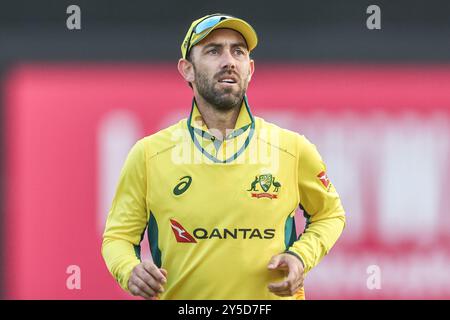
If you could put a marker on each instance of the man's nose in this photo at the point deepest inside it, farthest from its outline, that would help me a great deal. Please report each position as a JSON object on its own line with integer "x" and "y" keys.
{"x": 228, "y": 61}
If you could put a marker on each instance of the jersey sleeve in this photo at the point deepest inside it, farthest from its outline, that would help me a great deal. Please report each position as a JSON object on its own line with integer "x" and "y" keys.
{"x": 325, "y": 217}
{"x": 127, "y": 218}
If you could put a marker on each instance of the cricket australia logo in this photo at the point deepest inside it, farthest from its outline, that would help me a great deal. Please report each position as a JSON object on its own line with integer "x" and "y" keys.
{"x": 266, "y": 182}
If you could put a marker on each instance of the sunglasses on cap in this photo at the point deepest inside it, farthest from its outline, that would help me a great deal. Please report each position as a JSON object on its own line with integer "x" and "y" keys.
{"x": 202, "y": 26}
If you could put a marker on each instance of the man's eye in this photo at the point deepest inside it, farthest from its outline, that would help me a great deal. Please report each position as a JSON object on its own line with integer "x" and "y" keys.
{"x": 213, "y": 51}
{"x": 240, "y": 52}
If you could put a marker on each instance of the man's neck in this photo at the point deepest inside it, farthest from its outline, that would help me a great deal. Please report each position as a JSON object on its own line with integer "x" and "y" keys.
{"x": 217, "y": 121}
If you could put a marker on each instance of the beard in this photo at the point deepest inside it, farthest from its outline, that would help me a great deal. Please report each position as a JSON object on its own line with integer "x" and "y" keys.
{"x": 222, "y": 99}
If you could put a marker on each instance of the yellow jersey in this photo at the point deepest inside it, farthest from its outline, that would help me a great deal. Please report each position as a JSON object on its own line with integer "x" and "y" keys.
{"x": 217, "y": 210}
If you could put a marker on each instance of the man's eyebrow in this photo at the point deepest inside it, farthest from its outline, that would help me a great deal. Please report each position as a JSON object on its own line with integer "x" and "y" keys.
{"x": 219, "y": 45}
{"x": 239, "y": 44}
{"x": 212, "y": 44}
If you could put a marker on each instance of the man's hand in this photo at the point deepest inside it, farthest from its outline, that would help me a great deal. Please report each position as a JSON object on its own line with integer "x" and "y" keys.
{"x": 294, "y": 281}
{"x": 147, "y": 280}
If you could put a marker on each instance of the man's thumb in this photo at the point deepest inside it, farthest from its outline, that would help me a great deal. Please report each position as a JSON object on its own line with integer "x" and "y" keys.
{"x": 273, "y": 264}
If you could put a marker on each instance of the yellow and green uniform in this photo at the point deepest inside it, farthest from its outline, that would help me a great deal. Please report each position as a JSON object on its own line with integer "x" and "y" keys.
{"x": 217, "y": 211}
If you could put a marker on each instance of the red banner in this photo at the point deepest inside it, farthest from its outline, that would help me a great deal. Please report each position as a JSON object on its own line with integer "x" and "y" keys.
{"x": 383, "y": 132}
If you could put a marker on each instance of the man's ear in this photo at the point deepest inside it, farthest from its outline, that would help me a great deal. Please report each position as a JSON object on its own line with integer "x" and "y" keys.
{"x": 186, "y": 69}
{"x": 252, "y": 69}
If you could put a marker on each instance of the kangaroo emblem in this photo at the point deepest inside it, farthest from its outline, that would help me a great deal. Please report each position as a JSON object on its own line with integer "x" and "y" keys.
{"x": 254, "y": 184}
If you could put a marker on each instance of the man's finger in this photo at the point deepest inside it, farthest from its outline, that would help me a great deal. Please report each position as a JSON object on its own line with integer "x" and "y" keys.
{"x": 278, "y": 262}
{"x": 281, "y": 293}
{"x": 299, "y": 283}
{"x": 289, "y": 293}
{"x": 273, "y": 264}
{"x": 144, "y": 287}
{"x": 149, "y": 280}
{"x": 135, "y": 291}
{"x": 154, "y": 271}
{"x": 295, "y": 285}
{"x": 293, "y": 275}
{"x": 284, "y": 292}
{"x": 290, "y": 285}
{"x": 164, "y": 272}
{"x": 278, "y": 286}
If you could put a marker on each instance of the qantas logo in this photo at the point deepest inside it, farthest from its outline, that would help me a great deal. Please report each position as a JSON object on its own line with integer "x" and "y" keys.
{"x": 324, "y": 179}
{"x": 181, "y": 234}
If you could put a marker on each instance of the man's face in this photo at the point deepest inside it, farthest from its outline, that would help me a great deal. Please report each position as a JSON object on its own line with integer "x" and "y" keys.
{"x": 222, "y": 68}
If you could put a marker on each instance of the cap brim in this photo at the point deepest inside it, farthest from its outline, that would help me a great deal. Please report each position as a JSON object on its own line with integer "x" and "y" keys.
{"x": 238, "y": 25}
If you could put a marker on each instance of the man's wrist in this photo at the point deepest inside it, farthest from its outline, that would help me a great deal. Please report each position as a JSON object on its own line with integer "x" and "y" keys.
{"x": 297, "y": 256}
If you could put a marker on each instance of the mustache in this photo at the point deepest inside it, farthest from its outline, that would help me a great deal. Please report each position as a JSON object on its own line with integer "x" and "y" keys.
{"x": 227, "y": 73}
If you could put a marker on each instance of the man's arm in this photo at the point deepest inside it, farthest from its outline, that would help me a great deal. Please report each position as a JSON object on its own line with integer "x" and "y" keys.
{"x": 322, "y": 207}
{"x": 325, "y": 222}
{"x": 127, "y": 218}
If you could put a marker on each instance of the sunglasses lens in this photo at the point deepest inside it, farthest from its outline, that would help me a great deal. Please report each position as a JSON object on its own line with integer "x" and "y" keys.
{"x": 208, "y": 23}
{"x": 201, "y": 27}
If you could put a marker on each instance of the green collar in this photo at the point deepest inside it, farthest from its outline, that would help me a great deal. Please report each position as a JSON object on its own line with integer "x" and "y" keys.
{"x": 245, "y": 124}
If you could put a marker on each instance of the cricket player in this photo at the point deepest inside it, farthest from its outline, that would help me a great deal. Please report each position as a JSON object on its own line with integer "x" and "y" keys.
{"x": 217, "y": 192}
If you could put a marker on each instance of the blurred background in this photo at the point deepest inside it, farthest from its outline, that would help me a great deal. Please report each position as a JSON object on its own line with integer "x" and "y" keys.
{"x": 375, "y": 102}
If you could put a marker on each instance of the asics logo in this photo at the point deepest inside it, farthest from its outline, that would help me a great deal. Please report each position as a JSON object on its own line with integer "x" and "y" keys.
{"x": 182, "y": 186}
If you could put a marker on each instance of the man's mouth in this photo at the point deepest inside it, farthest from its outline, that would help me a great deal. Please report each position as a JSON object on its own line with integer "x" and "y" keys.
{"x": 227, "y": 80}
